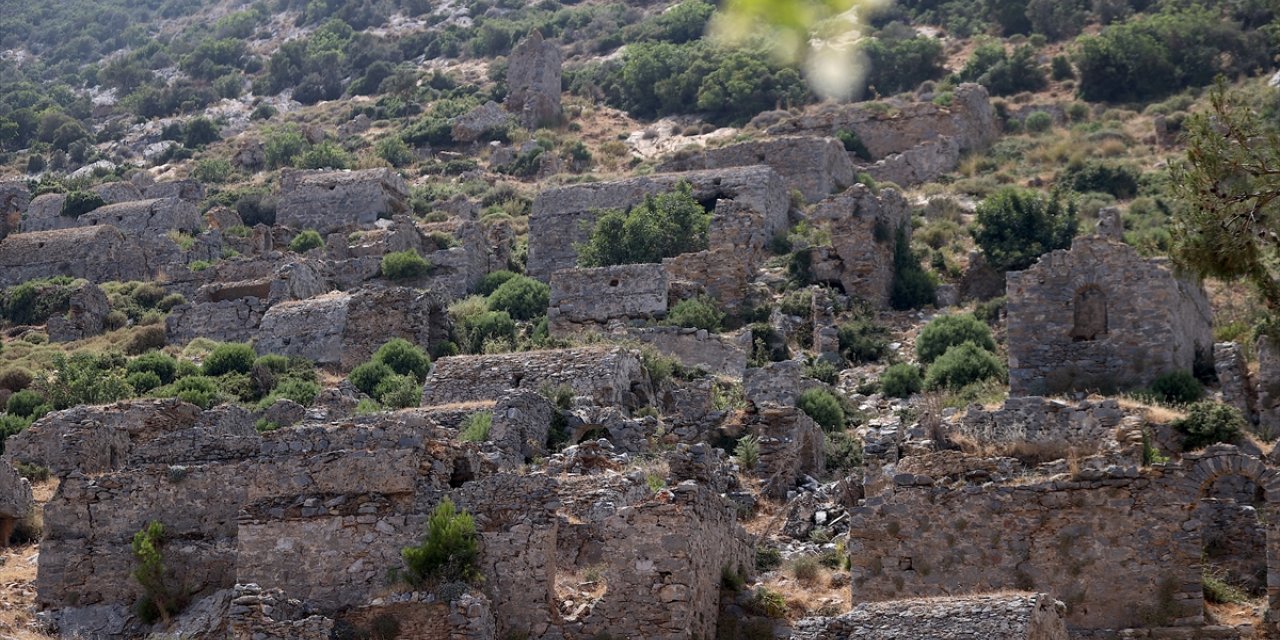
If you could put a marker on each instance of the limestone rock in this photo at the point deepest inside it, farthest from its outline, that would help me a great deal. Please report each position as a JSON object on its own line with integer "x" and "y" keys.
{"x": 331, "y": 200}
{"x": 533, "y": 81}
{"x": 484, "y": 119}
{"x": 89, "y": 306}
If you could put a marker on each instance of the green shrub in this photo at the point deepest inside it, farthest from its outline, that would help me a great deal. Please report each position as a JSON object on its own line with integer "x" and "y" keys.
{"x": 449, "y": 552}
{"x": 11, "y": 425}
{"x": 368, "y": 376}
{"x": 303, "y": 392}
{"x": 947, "y": 331}
{"x": 747, "y": 452}
{"x": 394, "y": 150}
{"x": 824, "y": 407}
{"x": 143, "y": 381}
{"x": 1060, "y": 68}
{"x": 404, "y": 358}
{"x": 326, "y": 155}
{"x": 202, "y": 391}
{"x": 475, "y": 428}
{"x": 901, "y": 381}
{"x": 1119, "y": 180}
{"x": 768, "y": 558}
{"x": 962, "y": 365}
{"x": 766, "y": 602}
{"x": 229, "y": 357}
{"x": 862, "y": 340}
{"x": 84, "y": 379}
{"x": 662, "y": 226}
{"x": 399, "y": 391}
{"x": 15, "y": 379}
{"x": 1004, "y": 73}
{"x": 1038, "y": 122}
{"x": 1016, "y": 226}
{"x": 843, "y": 451}
{"x": 853, "y": 144}
{"x": 1209, "y": 422}
{"x": 164, "y": 366}
{"x": 146, "y": 339}
{"x": 403, "y": 265}
{"x": 492, "y": 280}
{"x": 1178, "y": 387}
{"x": 701, "y": 312}
{"x": 487, "y": 326}
{"x": 25, "y": 404}
{"x": 307, "y": 240}
{"x": 823, "y": 371}
{"x": 913, "y": 287}
{"x": 161, "y": 599}
{"x": 79, "y": 203}
{"x": 523, "y": 298}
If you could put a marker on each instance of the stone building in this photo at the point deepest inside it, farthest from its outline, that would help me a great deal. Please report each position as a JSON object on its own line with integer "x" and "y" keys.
{"x": 97, "y": 254}
{"x": 1099, "y": 316}
{"x": 816, "y": 167}
{"x": 606, "y": 374}
{"x": 533, "y": 79}
{"x": 864, "y": 227}
{"x": 15, "y": 197}
{"x": 328, "y": 201}
{"x": 159, "y": 215}
{"x": 582, "y": 298}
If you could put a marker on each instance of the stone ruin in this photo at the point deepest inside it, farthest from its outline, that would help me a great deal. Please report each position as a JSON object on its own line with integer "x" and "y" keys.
{"x": 816, "y": 167}
{"x": 290, "y": 534}
{"x": 15, "y": 197}
{"x": 533, "y": 79}
{"x": 863, "y": 226}
{"x": 1098, "y": 316}
{"x": 608, "y": 375}
{"x": 97, "y": 254}
{"x": 328, "y": 201}
{"x": 582, "y": 298}
{"x": 995, "y": 617}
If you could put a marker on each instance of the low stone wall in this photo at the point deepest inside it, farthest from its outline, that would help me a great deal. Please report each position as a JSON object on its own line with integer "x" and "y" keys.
{"x": 331, "y": 200}
{"x": 606, "y": 374}
{"x": 233, "y": 320}
{"x": 160, "y": 215}
{"x": 1033, "y": 419}
{"x": 724, "y": 354}
{"x": 97, "y": 254}
{"x": 991, "y": 617}
{"x": 815, "y": 167}
{"x": 597, "y": 296}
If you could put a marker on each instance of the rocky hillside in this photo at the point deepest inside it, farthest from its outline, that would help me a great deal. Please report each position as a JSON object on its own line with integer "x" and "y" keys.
{"x": 493, "y": 319}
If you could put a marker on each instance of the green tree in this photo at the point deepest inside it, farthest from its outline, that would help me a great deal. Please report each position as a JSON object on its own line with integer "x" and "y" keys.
{"x": 948, "y": 331}
{"x": 662, "y": 226}
{"x": 1016, "y": 226}
{"x": 522, "y": 297}
{"x": 1231, "y": 186}
{"x": 449, "y": 552}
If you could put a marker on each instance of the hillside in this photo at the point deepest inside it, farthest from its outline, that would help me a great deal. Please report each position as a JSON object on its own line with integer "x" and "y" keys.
{"x": 495, "y": 319}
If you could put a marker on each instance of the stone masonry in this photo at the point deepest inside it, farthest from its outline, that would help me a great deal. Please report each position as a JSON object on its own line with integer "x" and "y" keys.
{"x": 606, "y": 374}
{"x": 816, "y": 167}
{"x": 331, "y": 200}
{"x": 991, "y": 617}
{"x": 168, "y": 214}
{"x": 97, "y": 254}
{"x": 603, "y": 294}
{"x": 533, "y": 76}
{"x": 863, "y": 226}
{"x": 1101, "y": 317}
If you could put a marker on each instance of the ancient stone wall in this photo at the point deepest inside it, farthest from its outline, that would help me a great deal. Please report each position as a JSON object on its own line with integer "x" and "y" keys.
{"x": 234, "y": 320}
{"x": 816, "y": 167}
{"x": 562, "y": 216}
{"x": 724, "y": 354}
{"x": 863, "y": 229}
{"x": 345, "y": 329}
{"x": 1234, "y": 380}
{"x": 970, "y": 120}
{"x": 1033, "y": 419}
{"x": 533, "y": 76}
{"x": 44, "y": 213}
{"x": 1010, "y": 616}
{"x": 1101, "y": 317}
{"x": 603, "y": 373}
{"x": 922, "y": 163}
{"x": 1268, "y": 385}
{"x": 15, "y": 197}
{"x": 97, "y": 254}
{"x": 791, "y": 446}
{"x": 168, "y": 214}
{"x": 85, "y": 316}
{"x": 597, "y": 296}
{"x": 331, "y": 200}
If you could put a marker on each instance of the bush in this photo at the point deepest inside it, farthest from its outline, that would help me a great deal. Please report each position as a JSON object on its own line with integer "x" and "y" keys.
{"x": 200, "y": 132}
{"x": 522, "y": 297}
{"x": 1002, "y": 73}
{"x": 662, "y": 226}
{"x": 84, "y": 379}
{"x": 1015, "y": 227}
{"x": 1209, "y": 422}
{"x": 1038, "y": 122}
{"x": 16, "y": 379}
{"x": 862, "y": 340}
{"x": 146, "y": 339}
{"x": 306, "y": 241}
{"x": 948, "y": 331}
{"x": 962, "y": 365}
{"x": 303, "y": 392}
{"x": 81, "y": 202}
{"x": 475, "y": 428}
{"x": 1178, "y": 387}
{"x": 368, "y": 376}
{"x": 853, "y": 144}
{"x": 491, "y": 281}
{"x": 449, "y": 552}
{"x": 399, "y": 391}
{"x": 403, "y": 265}
{"x": 25, "y": 404}
{"x": 160, "y": 599}
{"x": 913, "y": 287}
{"x": 11, "y": 425}
{"x": 701, "y": 312}
{"x": 901, "y": 381}
{"x": 747, "y": 452}
{"x": 487, "y": 326}
{"x": 143, "y": 381}
{"x": 326, "y": 155}
{"x": 164, "y": 366}
{"x": 1119, "y": 180}
{"x": 824, "y": 407}
{"x": 843, "y": 451}
{"x": 404, "y": 358}
{"x": 202, "y": 391}
{"x": 229, "y": 357}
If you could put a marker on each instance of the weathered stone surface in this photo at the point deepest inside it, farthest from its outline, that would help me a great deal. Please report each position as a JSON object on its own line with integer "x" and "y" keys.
{"x": 344, "y": 329}
{"x": 1033, "y": 419}
{"x": 16, "y": 500}
{"x": 486, "y": 118}
{"x": 89, "y": 306}
{"x": 724, "y": 354}
{"x": 922, "y": 163}
{"x": 1233, "y": 378}
{"x": 970, "y": 120}
{"x": 863, "y": 228}
{"x": 15, "y": 197}
{"x": 232, "y": 320}
{"x": 521, "y": 421}
{"x": 816, "y": 167}
{"x": 331, "y": 200}
{"x": 992, "y": 617}
{"x": 1268, "y": 385}
{"x": 533, "y": 81}
{"x": 562, "y": 216}
{"x": 1101, "y": 317}
{"x": 791, "y": 446}
{"x": 97, "y": 254}
{"x": 603, "y": 373}
{"x": 599, "y": 295}
{"x": 45, "y": 214}
{"x": 117, "y": 192}
{"x": 188, "y": 190}
{"x": 168, "y": 214}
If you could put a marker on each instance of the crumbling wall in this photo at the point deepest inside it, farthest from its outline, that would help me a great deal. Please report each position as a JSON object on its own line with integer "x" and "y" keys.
{"x": 1033, "y": 419}
{"x": 791, "y": 446}
{"x": 1012, "y": 616}
{"x": 97, "y": 254}
{"x": 816, "y": 167}
{"x": 85, "y": 317}
{"x": 533, "y": 75}
{"x": 600, "y": 295}
{"x": 331, "y": 200}
{"x": 15, "y": 197}
{"x": 562, "y": 216}
{"x": 864, "y": 226}
{"x": 696, "y": 348}
{"x": 234, "y": 320}
{"x": 168, "y": 214}
{"x": 606, "y": 374}
{"x": 1101, "y": 317}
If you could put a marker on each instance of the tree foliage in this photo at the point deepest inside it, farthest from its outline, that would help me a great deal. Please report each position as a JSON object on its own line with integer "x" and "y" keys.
{"x": 662, "y": 226}
{"x": 1016, "y": 226}
{"x": 449, "y": 552}
{"x": 1231, "y": 184}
